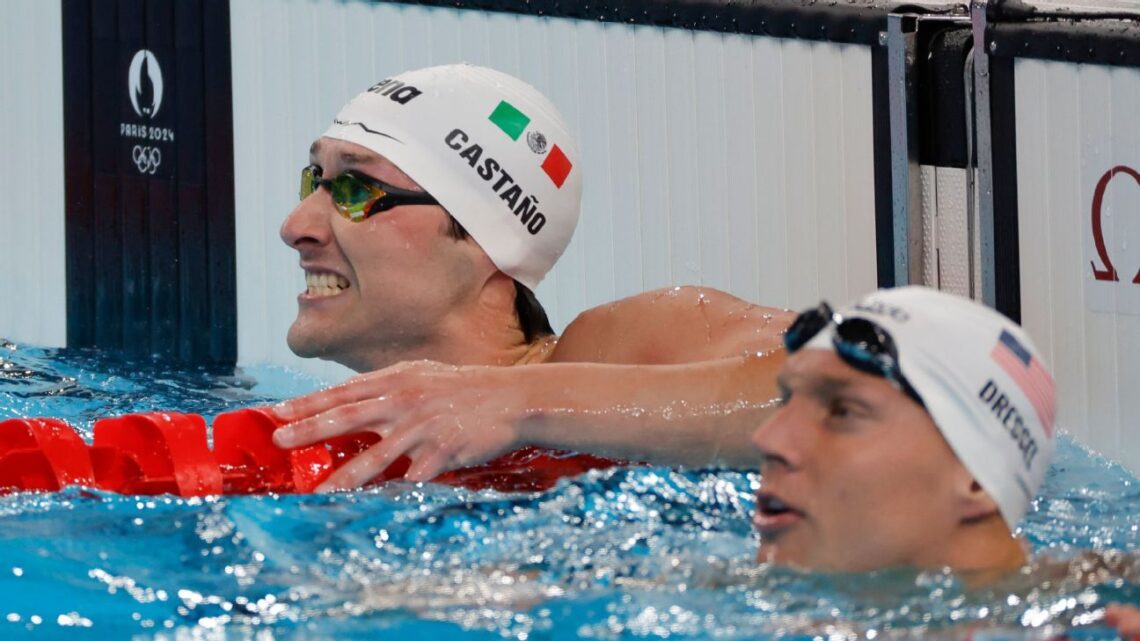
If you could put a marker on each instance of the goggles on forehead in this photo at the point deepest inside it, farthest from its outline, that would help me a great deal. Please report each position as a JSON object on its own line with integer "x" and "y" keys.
{"x": 861, "y": 344}
{"x": 357, "y": 196}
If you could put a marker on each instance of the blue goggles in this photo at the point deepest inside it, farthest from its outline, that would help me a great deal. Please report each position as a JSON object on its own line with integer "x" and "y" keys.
{"x": 861, "y": 344}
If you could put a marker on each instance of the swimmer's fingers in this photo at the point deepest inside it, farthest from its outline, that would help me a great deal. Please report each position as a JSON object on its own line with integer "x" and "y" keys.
{"x": 400, "y": 379}
{"x": 456, "y": 442}
{"x": 442, "y": 454}
{"x": 435, "y": 445}
{"x": 373, "y": 415}
{"x": 371, "y": 462}
{"x": 430, "y": 462}
{"x": 355, "y": 389}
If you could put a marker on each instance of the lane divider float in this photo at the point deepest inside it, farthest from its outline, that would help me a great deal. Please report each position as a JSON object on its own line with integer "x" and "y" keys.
{"x": 168, "y": 453}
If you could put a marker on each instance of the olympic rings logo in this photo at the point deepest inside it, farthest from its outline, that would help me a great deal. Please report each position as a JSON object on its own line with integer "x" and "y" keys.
{"x": 147, "y": 159}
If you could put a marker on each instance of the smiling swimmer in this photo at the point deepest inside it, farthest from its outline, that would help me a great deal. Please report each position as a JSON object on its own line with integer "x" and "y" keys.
{"x": 430, "y": 209}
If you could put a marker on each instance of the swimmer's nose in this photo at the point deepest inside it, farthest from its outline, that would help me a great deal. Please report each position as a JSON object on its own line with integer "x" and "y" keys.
{"x": 308, "y": 223}
{"x": 780, "y": 439}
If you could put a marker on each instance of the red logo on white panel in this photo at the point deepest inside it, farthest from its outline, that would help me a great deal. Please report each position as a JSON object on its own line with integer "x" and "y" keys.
{"x": 1114, "y": 250}
{"x": 1107, "y": 271}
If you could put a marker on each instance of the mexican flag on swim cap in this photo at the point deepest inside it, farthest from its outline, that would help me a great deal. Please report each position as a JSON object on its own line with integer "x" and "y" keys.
{"x": 514, "y": 123}
{"x": 493, "y": 151}
{"x": 982, "y": 381}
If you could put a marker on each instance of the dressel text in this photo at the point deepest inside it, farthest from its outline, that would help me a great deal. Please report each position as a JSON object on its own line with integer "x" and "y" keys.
{"x": 1011, "y": 419}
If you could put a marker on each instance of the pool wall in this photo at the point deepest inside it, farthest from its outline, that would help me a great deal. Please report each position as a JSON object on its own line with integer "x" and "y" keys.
{"x": 851, "y": 131}
{"x": 1077, "y": 158}
{"x": 32, "y": 260}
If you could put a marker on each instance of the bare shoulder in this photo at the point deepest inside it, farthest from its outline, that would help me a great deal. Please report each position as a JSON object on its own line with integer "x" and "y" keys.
{"x": 674, "y": 325}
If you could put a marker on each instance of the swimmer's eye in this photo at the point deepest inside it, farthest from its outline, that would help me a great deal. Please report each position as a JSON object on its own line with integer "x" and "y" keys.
{"x": 850, "y": 408}
{"x": 839, "y": 409}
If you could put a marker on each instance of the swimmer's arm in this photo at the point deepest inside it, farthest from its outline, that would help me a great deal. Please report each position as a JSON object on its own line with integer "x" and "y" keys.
{"x": 678, "y": 378}
{"x": 702, "y": 377}
{"x": 695, "y": 415}
{"x": 678, "y": 325}
{"x": 445, "y": 417}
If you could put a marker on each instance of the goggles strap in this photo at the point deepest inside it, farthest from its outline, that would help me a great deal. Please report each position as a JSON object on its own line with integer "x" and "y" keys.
{"x": 861, "y": 343}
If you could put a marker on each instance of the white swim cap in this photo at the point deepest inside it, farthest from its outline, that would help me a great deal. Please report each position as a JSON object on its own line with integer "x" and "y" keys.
{"x": 981, "y": 379}
{"x": 492, "y": 150}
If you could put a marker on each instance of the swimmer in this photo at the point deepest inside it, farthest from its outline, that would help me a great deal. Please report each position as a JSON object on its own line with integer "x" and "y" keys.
{"x": 430, "y": 210}
{"x": 915, "y": 430}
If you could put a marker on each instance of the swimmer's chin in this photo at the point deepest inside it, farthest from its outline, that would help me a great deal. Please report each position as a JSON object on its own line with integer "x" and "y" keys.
{"x": 305, "y": 345}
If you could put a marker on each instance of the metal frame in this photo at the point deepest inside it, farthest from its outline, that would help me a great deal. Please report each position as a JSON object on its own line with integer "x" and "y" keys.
{"x": 984, "y": 151}
{"x": 841, "y": 21}
{"x": 971, "y": 187}
{"x": 903, "y": 39}
{"x": 906, "y": 179}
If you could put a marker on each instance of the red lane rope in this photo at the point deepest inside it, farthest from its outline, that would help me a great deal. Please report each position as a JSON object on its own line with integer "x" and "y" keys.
{"x": 167, "y": 453}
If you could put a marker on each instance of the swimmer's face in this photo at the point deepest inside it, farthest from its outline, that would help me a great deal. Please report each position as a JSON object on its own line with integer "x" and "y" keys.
{"x": 394, "y": 277}
{"x": 855, "y": 475}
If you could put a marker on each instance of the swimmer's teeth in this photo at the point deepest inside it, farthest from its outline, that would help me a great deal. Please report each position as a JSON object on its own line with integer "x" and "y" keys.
{"x": 324, "y": 284}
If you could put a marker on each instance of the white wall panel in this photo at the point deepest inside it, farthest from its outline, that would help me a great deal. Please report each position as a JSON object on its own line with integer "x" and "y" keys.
{"x": 1075, "y": 123}
{"x": 741, "y": 169}
{"x": 32, "y": 263}
{"x": 596, "y": 132}
{"x": 827, "y": 164}
{"x": 652, "y": 175}
{"x": 856, "y": 182}
{"x": 771, "y": 182}
{"x": 946, "y": 234}
{"x": 732, "y": 161}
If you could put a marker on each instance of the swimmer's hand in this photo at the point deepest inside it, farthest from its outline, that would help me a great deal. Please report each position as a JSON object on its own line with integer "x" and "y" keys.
{"x": 441, "y": 416}
{"x": 1125, "y": 618}
{"x": 445, "y": 417}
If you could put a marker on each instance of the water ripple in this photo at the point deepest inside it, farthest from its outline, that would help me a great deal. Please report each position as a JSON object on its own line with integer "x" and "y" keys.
{"x": 629, "y": 553}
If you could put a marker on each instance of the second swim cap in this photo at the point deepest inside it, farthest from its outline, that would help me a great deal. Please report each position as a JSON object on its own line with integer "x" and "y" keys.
{"x": 490, "y": 148}
{"x": 982, "y": 381}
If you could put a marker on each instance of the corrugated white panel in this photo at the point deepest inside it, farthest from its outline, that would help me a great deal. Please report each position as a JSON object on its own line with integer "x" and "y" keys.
{"x": 1074, "y": 124}
{"x": 929, "y": 184}
{"x": 32, "y": 266}
{"x": 946, "y": 233}
{"x": 737, "y": 162}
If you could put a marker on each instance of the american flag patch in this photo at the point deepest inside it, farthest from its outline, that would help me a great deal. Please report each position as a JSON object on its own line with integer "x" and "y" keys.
{"x": 1028, "y": 374}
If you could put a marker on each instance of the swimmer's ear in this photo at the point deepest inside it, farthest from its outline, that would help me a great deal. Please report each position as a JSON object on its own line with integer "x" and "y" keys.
{"x": 974, "y": 503}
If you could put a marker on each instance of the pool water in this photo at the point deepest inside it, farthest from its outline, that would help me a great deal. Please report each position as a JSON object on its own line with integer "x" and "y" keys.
{"x": 627, "y": 553}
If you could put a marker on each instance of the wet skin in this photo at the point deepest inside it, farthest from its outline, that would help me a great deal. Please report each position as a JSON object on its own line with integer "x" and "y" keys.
{"x": 430, "y": 321}
{"x": 404, "y": 277}
{"x": 856, "y": 476}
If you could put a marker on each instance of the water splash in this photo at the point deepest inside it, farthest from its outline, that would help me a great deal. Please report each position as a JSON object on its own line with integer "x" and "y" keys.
{"x": 629, "y": 553}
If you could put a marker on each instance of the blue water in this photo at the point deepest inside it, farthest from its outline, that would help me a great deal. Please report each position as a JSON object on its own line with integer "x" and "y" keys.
{"x": 637, "y": 553}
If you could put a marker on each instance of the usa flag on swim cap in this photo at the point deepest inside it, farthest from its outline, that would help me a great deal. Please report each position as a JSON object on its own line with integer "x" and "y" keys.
{"x": 1028, "y": 374}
